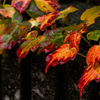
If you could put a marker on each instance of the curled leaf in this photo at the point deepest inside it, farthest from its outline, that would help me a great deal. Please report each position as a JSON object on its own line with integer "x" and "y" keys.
{"x": 90, "y": 73}
{"x": 31, "y": 43}
{"x": 49, "y": 19}
{"x": 93, "y": 55}
{"x": 61, "y": 55}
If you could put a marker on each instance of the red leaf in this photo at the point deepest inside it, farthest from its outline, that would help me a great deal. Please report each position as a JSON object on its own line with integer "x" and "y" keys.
{"x": 62, "y": 54}
{"x": 51, "y": 40}
{"x": 40, "y": 18}
{"x": 93, "y": 55}
{"x": 74, "y": 39}
{"x": 49, "y": 19}
{"x": 90, "y": 73}
{"x": 32, "y": 43}
{"x": 20, "y": 5}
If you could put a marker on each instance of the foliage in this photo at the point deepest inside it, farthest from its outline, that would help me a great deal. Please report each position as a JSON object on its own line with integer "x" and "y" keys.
{"x": 36, "y": 33}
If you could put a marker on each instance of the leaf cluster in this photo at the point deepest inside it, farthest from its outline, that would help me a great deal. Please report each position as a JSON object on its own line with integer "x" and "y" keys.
{"x": 63, "y": 42}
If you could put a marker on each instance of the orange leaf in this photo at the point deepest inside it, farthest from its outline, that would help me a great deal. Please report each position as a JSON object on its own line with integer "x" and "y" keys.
{"x": 40, "y": 18}
{"x": 93, "y": 55}
{"x": 62, "y": 54}
{"x": 49, "y": 19}
{"x": 20, "y": 5}
{"x": 7, "y": 11}
{"x": 47, "y": 5}
{"x": 74, "y": 39}
{"x": 90, "y": 73}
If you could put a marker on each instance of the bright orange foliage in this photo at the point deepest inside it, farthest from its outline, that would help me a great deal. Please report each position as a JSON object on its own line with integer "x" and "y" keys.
{"x": 61, "y": 55}
{"x": 90, "y": 73}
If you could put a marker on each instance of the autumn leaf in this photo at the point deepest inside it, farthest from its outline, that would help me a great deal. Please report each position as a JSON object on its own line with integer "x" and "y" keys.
{"x": 33, "y": 22}
{"x": 17, "y": 17}
{"x": 73, "y": 34}
{"x": 7, "y": 11}
{"x": 49, "y": 19}
{"x": 66, "y": 11}
{"x": 61, "y": 55}
{"x": 51, "y": 41}
{"x": 13, "y": 33}
{"x": 20, "y": 5}
{"x": 94, "y": 35}
{"x": 40, "y": 18}
{"x": 47, "y": 5}
{"x": 32, "y": 43}
{"x": 93, "y": 55}
{"x": 4, "y": 24}
{"x": 33, "y": 10}
{"x": 90, "y": 15}
{"x": 75, "y": 38}
{"x": 90, "y": 73}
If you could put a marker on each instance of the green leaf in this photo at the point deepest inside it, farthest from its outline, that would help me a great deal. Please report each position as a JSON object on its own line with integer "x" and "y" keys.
{"x": 94, "y": 35}
{"x": 33, "y": 11}
{"x": 13, "y": 33}
{"x": 53, "y": 38}
{"x": 31, "y": 43}
{"x": 4, "y": 24}
{"x": 67, "y": 11}
{"x": 17, "y": 17}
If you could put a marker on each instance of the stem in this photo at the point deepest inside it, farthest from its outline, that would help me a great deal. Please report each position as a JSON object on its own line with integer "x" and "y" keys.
{"x": 14, "y": 29}
{"x": 4, "y": 1}
{"x": 86, "y": 41}
{"x": 81, "y": 55}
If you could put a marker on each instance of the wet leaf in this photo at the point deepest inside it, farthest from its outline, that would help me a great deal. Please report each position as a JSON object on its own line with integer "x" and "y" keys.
{"x": 7, "y": 11}
{"x": 49, "y": 19}
{"x": 90, "y": 15}
{"x": 73, "y": 34}
{"x": 47, "y": 5}
{"x": 61, "y": 55}
{"x": 17, "y": 17}
{"x": 75, "y": 38}
{"x": 31, "y": 43}
{"x": 90, "y": 73}
{"x": 20, "y": 5}
{"x": 94, "y": 35}
{"x": 93, "y": 55}
{"x": 51, "y": 41}
{"x": 33, "y": 11}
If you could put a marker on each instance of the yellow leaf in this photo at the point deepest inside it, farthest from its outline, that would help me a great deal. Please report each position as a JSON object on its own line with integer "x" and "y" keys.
{"x": 90, "y": 15}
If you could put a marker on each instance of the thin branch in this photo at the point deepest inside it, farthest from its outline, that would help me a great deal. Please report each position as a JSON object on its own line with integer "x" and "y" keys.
{"x": 81, "y": 55}
{"x": 86, "y": 41}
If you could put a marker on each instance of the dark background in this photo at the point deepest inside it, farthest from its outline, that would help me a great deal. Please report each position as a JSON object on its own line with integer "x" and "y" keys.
{"x": 28, "y": 81}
